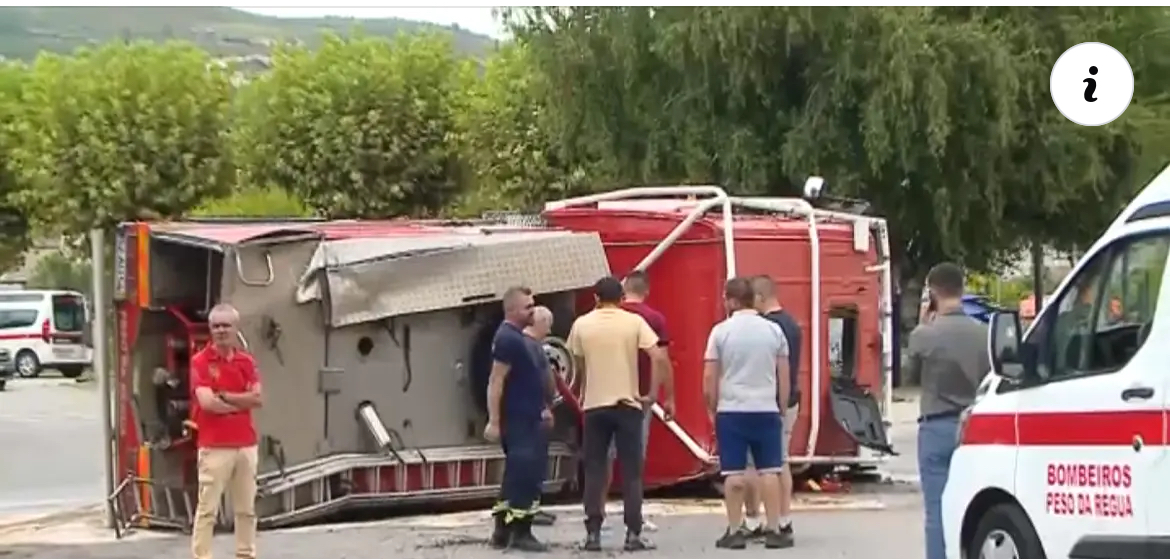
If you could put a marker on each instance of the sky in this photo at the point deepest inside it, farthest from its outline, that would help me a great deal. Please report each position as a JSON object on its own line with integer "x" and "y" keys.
{"x": 478, "y": 20}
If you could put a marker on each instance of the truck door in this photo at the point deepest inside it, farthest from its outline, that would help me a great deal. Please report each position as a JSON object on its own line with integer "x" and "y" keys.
{"x": 1090, "y": 428}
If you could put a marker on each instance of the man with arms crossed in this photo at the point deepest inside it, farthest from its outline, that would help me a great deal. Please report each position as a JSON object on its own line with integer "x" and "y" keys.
{"x": 636, "y": 288}
{"x": 517, "y": 417}
{"x": 605, "y": 344}
{"x": 227, "y": 389}
{"x": 769, "y": 306}
{"x": 949, "y": 355}
{"x": 745, "y": 382}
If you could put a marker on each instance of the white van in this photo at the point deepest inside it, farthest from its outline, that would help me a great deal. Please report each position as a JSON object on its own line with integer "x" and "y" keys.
{"x": 44, "y": 330}
{"x": 1064, "y": 452}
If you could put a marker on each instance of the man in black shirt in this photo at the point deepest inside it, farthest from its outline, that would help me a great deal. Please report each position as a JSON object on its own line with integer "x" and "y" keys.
{"x": 769, "y": 306}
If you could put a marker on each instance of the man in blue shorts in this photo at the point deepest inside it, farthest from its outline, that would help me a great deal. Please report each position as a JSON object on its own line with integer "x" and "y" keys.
{"x": 746, "y": 385}
{"x": 517, "y": 417}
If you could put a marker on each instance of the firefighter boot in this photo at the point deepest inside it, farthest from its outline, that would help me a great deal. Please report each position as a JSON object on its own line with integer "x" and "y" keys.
{"x": 522, "y": 538}
{"x": 500, "y": 533}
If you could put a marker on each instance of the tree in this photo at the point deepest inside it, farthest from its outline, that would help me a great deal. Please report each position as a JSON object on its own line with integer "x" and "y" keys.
{"x": 14, "y": 233}
{"x": 504, "y": 137}
{"x": 940, "y": 117}
{"x": 254, "y": 202}
{"x": 359, "y": 128}
{"x": 127, "y": 131}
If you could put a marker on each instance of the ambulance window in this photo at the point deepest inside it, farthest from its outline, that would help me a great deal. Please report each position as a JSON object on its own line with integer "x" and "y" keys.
{"x": 1128, "y": 301}
{"x": 1105, "y": 314}
{"x": 842, "y": 342}
{"x": 17, "y": 318}
{"x": 1063, "y": 331}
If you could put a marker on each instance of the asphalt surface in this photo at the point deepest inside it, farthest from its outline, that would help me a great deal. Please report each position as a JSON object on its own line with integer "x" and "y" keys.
{"x": 51, "y": 464}
{"x": 50, "y": 445}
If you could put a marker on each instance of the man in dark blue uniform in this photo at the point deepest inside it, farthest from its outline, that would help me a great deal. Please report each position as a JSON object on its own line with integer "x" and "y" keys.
{"x": 516, "y": 418}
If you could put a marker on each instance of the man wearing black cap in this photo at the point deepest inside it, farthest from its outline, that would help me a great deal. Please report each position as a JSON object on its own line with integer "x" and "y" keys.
{"x": 605, "y": 344}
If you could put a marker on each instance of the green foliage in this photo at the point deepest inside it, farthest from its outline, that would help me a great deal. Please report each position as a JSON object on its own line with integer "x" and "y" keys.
{"x": 254, "y": 202}
{"x": 504, "y": 137}
{"x": 14, "y": 233}
{"x": 359, "y": 128}
{"x": 121, "y": 133}
{"x": 940, "y": 117}
{"x": 59, "y": 270}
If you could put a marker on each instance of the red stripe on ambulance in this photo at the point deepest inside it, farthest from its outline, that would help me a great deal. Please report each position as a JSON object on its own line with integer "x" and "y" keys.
{"x": 1096, "y": 428}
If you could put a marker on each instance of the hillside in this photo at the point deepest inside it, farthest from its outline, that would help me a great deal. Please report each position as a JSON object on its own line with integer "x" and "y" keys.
{"x": 25, "y": 31}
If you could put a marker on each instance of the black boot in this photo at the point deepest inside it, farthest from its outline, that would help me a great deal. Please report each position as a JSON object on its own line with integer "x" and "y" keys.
{"x": 522, "y": 538}
{"x": 500, "y": 534}
{"x": 543, "y": 518}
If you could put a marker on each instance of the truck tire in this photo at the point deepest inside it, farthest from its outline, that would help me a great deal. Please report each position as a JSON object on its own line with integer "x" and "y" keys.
{"x": 1004, "y": 525}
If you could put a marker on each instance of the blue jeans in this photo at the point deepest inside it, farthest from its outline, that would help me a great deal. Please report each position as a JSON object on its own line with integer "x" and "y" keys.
{"x": 937, "y": 439}
{"x": 525, "y": 444}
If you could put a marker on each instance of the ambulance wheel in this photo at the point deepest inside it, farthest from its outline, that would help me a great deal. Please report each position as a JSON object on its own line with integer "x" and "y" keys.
{"x": 1005, "y": 531}
{"x": 27, "y": 364}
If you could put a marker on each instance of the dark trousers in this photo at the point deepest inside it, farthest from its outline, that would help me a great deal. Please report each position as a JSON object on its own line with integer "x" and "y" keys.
{"x": 621, "y": 425}
{"x": 525, "y": 444}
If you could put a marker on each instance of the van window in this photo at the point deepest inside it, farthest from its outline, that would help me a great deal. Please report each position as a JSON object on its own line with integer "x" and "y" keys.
{"x": 1104, "y": 316}
{"x": 842, "y": 342}
{"x": 68, "y": 313}
{"x": 17, "y": 318}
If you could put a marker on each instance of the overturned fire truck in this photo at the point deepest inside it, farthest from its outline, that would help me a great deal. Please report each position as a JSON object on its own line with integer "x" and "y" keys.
{"x": 370, "y": 336}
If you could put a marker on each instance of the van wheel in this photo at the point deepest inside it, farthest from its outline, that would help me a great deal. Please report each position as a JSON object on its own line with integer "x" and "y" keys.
{"x": 71, "y": 371}
{"x": 1005, "y": 532}
{"x": 27, "y": 364}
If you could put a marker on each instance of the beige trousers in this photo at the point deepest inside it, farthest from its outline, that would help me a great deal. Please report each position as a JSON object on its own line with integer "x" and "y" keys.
{"x": 233, "y": 469}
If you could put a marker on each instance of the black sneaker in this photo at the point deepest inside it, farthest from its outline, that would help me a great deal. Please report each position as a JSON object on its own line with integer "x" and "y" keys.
{"x": 592, "y": 541}
{"x": 786, "y": 529}
{"x": 635, "y": 542}
{"x": 779, "y": 540}
{"x": 732, "y": 539}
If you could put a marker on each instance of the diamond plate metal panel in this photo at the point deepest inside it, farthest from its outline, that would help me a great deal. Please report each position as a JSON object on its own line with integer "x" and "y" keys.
{"x": 476, "y": 270}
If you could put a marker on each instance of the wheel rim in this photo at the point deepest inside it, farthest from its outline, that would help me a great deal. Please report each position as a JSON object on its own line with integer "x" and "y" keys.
{"x": 561, "y": 361}
{"x": 25, "y": 365}
{"x": 999, "y": 545}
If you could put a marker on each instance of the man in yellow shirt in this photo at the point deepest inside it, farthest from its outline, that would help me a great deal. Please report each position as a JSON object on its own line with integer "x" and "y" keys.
{"x": 605, "y": 344}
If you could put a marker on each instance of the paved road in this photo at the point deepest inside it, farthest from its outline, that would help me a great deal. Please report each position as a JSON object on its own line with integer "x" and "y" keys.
{"x": 50, "y": 433}
{"x": 889, "y": 533}
{"x": 50, "y": 436}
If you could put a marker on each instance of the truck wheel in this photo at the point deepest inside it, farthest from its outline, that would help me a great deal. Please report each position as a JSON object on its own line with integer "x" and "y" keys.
{"x": 71, "y": 371}
{"x": 27, "y": 364}
{"x": 1005, "y": 532}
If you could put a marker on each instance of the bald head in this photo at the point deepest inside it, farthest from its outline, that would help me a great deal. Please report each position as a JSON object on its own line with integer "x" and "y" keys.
{"x": 224, "y": 323}
{"x": 542, "y": 322}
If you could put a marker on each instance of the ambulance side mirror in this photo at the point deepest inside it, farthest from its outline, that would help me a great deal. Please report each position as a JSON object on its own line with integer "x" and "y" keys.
{"x": 1005, "y": 345}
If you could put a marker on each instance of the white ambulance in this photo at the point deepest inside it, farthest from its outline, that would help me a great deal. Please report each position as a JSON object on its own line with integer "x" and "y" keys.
{"x": 1064, "y": 452}
{"x": 45, "y": 330}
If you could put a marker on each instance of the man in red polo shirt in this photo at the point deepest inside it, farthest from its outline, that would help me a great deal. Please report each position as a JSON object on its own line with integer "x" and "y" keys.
{"x": 227, "y": 389}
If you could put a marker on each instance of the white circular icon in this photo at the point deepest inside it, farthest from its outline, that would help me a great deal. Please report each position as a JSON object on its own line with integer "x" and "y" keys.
{"x": 1091, "y": 84}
